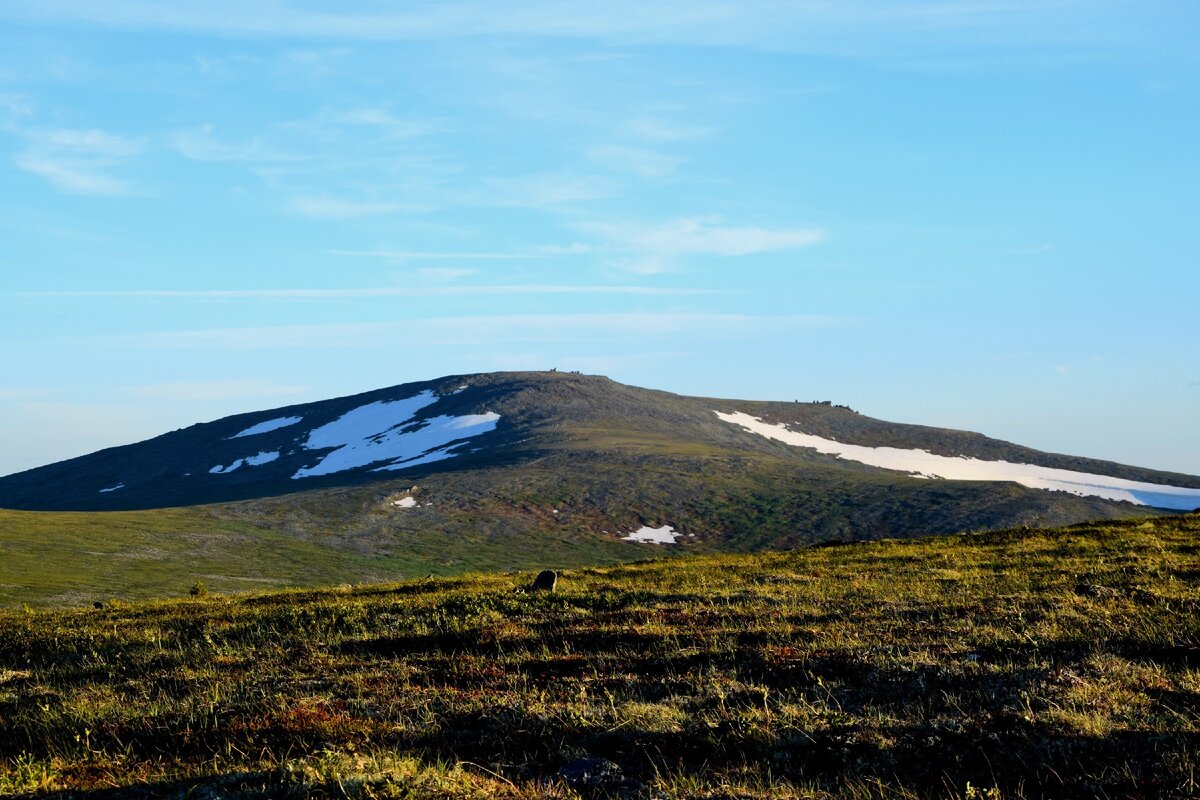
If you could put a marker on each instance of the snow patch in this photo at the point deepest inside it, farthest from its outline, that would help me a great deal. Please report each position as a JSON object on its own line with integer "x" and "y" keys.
{"x": 923, "y": 464}
{"x": 386, "y": 431}
{"x": 647, "y": 535}
{"x": 268, "y": 426}
{"x": 254, "y": 461}
{"x": 112, "y": 488}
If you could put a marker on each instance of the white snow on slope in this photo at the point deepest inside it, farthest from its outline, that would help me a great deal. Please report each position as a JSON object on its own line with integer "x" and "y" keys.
{"x": 927, "y": 465}
{"x": 253, "y": 461}
{"x": 386, "y": 431}
{"x": 112, "y": 488}
{"x": 266, "y": 427}
{"x": 647, "y": 535}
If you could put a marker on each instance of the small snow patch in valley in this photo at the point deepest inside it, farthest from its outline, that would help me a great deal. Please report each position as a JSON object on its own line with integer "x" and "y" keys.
{"x": 923, "y": 464}
{"x": 647, "y": 535}
{"x": 268, "y": 426}
{"x": 112, "y": 488}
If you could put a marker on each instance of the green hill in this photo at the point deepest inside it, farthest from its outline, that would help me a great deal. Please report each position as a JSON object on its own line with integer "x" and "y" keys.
{"x": 557, "y": 470}
{"x": 1023, "y": 663}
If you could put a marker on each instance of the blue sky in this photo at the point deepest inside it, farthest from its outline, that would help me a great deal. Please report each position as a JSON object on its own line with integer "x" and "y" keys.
{"x": 976, "y": 215}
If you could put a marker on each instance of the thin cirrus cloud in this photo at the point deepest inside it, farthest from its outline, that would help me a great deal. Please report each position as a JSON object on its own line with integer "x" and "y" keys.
{"x": 429, "y": 255}
{"x": 542, "y": 190}
{"x": 200, "y": 144}
{"x": 640, "y": 161}
{"x": 853, "y": 26}
{"x": 78, "y": 160}
{"x": 323, "y": 206}
{"x": 523, "y": 254}
{"x": 385, "y": 122}
{"x": 458, "y": 331}
{"x": 363, "y": 293}
{"x": 660, "y": 248}
{"x": 212, "y": 390}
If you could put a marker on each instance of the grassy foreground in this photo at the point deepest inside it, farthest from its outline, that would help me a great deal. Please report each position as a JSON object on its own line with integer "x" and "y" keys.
{"x": 1060, "y": 663}
{"x": 57, "y": 559}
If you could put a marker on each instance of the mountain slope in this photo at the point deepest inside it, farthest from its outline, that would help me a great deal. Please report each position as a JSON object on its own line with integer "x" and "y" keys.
{"x": 482, "y": 421}
{"x": 512, "y": 470}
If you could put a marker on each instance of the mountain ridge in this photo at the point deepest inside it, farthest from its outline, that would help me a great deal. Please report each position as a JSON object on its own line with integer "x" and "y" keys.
{"x": 469, "y": 421}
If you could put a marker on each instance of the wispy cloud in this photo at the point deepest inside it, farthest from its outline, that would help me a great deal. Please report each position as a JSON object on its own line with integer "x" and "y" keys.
{"x": 363, "y": 293}
{"x": 328, "y": 207}
{"x": 430, "y": 255}
{"x": 604, "y": 364}
{"x": 521, "y": 254}
{"x": 640, "y": 161}
{"x": 1032, "y": 250}
{"x": 199, "y": 144}
{"x": 659, "y": 248}
{"x": 11, "y": 394}
{"x": 852, "y": 25}
{"x": 445, "y": 273}
{"x": 658, "y": 129}
{"x": 212, "y": 390}
{"x": 386, "y": 122}
{"x": 542, "y": 190}
{"x": 473, "y": 331}
{"x": 15, "y": 106}
{"x": 77, "y": 160}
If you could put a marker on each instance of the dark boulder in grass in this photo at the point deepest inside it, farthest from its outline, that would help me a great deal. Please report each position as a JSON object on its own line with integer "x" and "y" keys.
{"x": 546, "y": 581}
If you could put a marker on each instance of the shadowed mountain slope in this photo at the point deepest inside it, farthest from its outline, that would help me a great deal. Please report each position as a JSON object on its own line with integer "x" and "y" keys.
{"x": 478, "y": 422}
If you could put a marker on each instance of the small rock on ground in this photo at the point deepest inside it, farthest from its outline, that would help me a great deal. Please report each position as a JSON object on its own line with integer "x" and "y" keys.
{"x": 592, "y": 774}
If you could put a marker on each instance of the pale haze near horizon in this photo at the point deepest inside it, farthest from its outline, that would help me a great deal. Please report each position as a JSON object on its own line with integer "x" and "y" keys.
{"x": 976, "y": 216}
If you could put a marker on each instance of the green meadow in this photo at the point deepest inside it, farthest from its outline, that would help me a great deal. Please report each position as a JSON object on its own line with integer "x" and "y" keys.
{"x": 1024, "y": 663}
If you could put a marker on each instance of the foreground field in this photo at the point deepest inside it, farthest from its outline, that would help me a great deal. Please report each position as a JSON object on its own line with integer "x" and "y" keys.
{"x": 1060, "y": 663}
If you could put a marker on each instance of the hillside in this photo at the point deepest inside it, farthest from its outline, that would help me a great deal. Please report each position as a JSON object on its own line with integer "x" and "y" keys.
{"x": 506, "y": 471}
{"x": 497, "y": 420}
{"x": 1030, "y": 663}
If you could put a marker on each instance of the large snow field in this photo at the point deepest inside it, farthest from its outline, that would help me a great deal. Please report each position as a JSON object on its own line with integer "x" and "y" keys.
{"x": 386, "y": 431}
{"x": 924, "y": 464}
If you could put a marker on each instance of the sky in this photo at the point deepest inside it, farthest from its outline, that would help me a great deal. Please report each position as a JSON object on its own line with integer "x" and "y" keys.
{"x": 977, "y": 214}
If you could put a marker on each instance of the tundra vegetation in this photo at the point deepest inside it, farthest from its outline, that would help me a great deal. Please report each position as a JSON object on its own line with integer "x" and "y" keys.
{"x": 1023, "y": 663}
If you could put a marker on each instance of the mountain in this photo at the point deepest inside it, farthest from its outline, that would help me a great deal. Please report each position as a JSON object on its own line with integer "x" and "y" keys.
{"x": 506, "y": 471}
{"x": 590, "y": 439}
